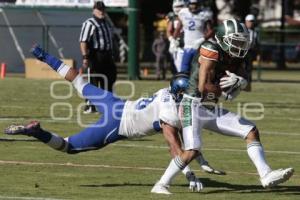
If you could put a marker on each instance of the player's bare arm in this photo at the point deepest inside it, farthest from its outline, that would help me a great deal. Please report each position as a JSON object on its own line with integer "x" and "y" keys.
{"x": 209, "y": 30}
{"x": 206, "y": 78}
{"x": 170, "y": 29}
{"x": 172, "y": 138}
{"x": 84, "y": 52}
{"x": 178, "y": 29}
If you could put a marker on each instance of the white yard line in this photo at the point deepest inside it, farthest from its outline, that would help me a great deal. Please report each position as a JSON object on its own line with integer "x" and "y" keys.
{"x": 206, "y": 149}
{"x": 27, "y": 198}
{"x": 5, "y": 119}
{"x": 9, "y": 162}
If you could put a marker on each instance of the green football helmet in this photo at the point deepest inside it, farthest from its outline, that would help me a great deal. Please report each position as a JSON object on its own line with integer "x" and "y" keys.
{"x": 233, "y": 38}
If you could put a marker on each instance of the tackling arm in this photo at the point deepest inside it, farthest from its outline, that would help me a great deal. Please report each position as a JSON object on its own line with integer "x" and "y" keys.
{"x": 172, "y": 138}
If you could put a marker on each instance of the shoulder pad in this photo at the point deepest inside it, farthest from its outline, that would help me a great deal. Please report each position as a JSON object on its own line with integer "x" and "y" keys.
{"x": 209, "y": 51}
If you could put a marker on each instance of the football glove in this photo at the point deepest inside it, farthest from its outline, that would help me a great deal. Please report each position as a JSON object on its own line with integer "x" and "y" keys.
{"x": 233, "y": 81}
{"x": 174, "y": 45}
{"x": 195, "y": 183}
{"x": 231, "y": 94}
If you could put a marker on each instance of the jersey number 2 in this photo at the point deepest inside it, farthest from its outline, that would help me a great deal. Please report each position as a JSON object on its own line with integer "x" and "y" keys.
{"x": 192, "y": 25}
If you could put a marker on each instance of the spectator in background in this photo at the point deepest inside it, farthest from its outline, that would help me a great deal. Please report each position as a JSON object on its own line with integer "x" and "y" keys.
{"x": 96, "y": 48}
{"x": 252, "y": 55}
{"x": 161, "y": 22}
{"x": 292, "y": 12}
{"x": 225, "y": 8}
{"x": 160, "y": 50}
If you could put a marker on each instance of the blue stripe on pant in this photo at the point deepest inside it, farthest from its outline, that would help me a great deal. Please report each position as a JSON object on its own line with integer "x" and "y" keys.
{"x": 105, "y": 130}
{"x": 187, "y": 58}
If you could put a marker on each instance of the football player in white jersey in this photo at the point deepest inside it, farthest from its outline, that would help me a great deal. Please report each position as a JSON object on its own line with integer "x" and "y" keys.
{"x": 196, "y": 23}
{"x": 120, "y": 119}
{"x": 176, "y": 43}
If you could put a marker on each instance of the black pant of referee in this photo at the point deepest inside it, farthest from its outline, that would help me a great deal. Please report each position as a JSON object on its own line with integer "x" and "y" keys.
{"x": 103, "y": 72}
{"x": 101, "y": 62}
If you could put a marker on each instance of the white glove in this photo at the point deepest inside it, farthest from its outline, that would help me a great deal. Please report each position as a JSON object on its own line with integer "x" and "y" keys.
{"x": 195, "y": 183}
{"x": 174, "y": 44}
{"x": 198, "y": 42}
{"x": 231, "y": 94}
{"x": 207, "y": 168}
{"x": 233, "y": 81}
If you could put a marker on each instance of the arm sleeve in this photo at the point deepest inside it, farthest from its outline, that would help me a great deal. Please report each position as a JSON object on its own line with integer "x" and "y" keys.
{"x": 209, "y": 53}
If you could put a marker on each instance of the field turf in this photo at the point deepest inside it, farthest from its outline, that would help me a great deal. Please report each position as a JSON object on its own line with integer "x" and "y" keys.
{"x": 128, "y": 169}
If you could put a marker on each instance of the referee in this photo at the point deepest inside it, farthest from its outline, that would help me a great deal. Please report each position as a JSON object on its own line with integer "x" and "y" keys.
{"x": 96, "y": 48}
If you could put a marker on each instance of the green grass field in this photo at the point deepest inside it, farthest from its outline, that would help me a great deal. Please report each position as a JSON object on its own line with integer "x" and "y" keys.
{"x": 128, "y": 169}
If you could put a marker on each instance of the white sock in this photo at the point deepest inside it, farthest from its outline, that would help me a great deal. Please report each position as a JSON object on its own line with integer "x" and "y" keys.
{"x": 257, "y": 155}
{"x": 175, "y": 166}
{"x": 58, "y": 143}
{"x": 79, "y": 83}
{"x": 63, "y": 70}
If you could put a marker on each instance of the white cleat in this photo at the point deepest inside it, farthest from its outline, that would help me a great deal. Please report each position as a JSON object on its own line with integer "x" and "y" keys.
{"x": 276, "y": 177}
{"x": 160, "y": 188}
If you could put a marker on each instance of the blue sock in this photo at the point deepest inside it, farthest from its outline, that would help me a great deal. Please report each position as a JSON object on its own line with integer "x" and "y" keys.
{"x": 52, "y": 61}
{"x": 40, "y": 54}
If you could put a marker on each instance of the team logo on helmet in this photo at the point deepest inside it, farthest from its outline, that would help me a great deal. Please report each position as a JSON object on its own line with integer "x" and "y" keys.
{"x": 233, "y": 38}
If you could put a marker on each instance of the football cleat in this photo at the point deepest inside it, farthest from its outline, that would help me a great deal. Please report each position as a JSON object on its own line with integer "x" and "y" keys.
{"x": 209, "y": 169}
{"x": 38, "y": 52}
{"x": 28, "y": 129}
{"x": 160, "y": 188}
{"x": 276, "y": 177}
{"x": 89, "y": 109}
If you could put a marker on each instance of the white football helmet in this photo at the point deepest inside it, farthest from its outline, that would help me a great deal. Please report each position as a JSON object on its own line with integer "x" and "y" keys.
{"x": 177, "y": 6}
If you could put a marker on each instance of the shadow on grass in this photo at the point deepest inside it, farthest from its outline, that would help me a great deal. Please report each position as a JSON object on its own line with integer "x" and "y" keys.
{"x": 18, "y": 140}
{"x": 214, "y": 187}
{"x": 224, "y": 187}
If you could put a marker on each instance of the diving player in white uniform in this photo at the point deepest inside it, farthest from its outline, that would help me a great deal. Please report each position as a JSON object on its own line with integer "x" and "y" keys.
{"x": 196, "y": 23}
{"x": 120, "y": 119}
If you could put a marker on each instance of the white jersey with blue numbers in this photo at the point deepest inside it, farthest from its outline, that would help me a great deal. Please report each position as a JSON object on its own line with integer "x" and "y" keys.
{"x": 142, "y": 117}
{"x": 193, "y": 25}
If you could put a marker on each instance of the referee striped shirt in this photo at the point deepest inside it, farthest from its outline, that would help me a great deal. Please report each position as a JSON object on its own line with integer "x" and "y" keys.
{"x": 97, "y": 33}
